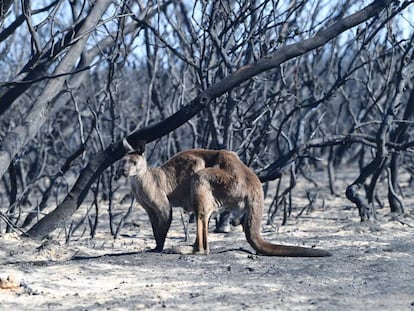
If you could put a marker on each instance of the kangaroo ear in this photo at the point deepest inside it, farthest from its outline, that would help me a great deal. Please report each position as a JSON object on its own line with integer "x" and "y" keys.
{"x": 141, "y": 147}
{"x": 131, "y": 150}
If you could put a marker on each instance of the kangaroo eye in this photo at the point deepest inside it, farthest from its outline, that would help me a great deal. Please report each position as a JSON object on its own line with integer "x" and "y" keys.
{"x": 134, "y": 162}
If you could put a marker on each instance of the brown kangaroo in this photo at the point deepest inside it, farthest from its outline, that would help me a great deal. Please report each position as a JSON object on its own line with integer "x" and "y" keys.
{"x": 201, "y": 181}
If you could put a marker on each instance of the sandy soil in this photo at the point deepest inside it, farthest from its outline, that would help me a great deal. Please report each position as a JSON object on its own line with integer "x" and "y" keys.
{"x": 372, "y": 266}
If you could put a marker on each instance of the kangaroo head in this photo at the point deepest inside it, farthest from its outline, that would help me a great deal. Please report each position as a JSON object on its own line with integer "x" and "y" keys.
{"x": 135, "y": 164}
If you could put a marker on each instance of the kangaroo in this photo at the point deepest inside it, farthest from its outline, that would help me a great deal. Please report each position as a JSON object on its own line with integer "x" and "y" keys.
{"x": 201, "y": 181}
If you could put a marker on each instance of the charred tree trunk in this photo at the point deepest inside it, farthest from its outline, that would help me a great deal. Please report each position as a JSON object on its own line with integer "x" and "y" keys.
{"x": 385, "y": 160}
{"x": 374, "y": 169}
{"x": 399, "y": 136}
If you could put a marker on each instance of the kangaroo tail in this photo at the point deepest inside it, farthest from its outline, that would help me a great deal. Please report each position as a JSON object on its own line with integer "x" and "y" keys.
{"x": 252, "y": 230}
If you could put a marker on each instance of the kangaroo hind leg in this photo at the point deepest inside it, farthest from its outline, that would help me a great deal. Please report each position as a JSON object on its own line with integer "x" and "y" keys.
{"x": 205, "y": 184}
{"x": 204, "y": 210}
{"x": 203, "y": 204}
